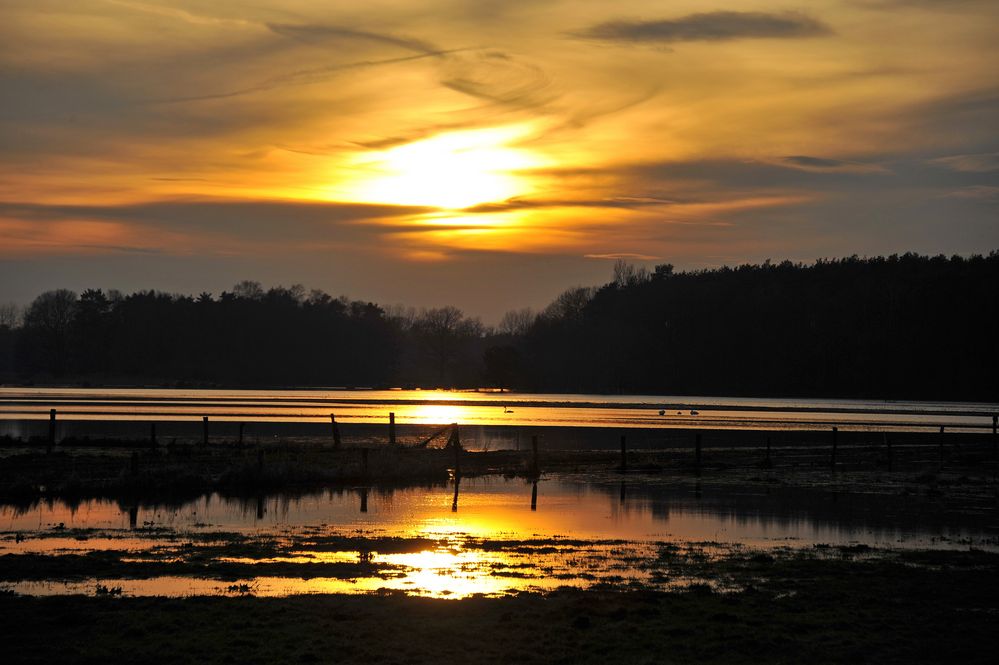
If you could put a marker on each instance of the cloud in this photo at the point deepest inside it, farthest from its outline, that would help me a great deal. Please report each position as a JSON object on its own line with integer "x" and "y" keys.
{"x": 984, "y": 193}
{"x": 628, "y": 202}
{"x": 710, "y": 26}
{"x": 936, "y": 6}
{"x": 498, "y": 78}
{"x": 335, "y": 35}
{"x": 623, "y": 255}
{"x": 820, "y": 164}
{"x": 301, "y": 77}
{"x": 194, "y": 225}
{"x": 985, "y": 162}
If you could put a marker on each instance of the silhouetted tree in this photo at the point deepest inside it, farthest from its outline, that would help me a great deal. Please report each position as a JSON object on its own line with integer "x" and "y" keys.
{"x": 898, "y": 327}
{"x": 517, "y": 322}
{"x": 447, "y": 336}
{"x": 46, "y": 331}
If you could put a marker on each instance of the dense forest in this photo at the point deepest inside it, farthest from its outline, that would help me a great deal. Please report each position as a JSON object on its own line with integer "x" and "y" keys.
{"x": 898, "y": 327}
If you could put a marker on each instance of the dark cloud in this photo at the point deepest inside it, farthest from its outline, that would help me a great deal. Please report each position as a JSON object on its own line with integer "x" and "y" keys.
{"x": 813, "y": 162}
{"x": 622, "y": 255}
{"x": 335, "y": 35}
{"x": 533, "y": 204}
{"x": 794, "y": 174}
{"x": 499, "y": 78}
{"x": 710, "y": 26}
{"x": 301, "y": 77}
{"x": 252, "y": 221}
{"x": 808, "y": 162}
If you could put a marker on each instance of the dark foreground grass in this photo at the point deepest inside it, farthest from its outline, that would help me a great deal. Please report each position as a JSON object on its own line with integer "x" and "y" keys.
{"x": 828, "y": 611}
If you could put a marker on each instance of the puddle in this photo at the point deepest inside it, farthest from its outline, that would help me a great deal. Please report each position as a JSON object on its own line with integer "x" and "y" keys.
{"x": 493, "y": 536}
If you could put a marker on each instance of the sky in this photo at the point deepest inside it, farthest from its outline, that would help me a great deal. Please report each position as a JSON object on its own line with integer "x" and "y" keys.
{"x": 484, "y": 153}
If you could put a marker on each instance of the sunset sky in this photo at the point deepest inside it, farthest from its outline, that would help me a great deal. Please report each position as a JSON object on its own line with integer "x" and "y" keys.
{"x": 484, "y": 153}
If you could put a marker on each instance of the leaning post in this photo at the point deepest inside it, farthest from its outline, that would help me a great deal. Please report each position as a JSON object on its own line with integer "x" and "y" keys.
{"x": 336, "y": 431}
{"x": 457, "y": 453}
{"x": 391, "y": 428}
{"x": 52, "y": 429}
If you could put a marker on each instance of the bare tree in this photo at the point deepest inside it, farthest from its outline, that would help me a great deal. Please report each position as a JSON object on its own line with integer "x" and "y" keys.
{"x": 404, "y": 316}
{"x": 51, "y": 312}
{"x": 570, "y": 303}
{"x": 626, "y": 274}
{"x": 249, "y": 290}
{"x": 49, "y": 318}
{"x": 444, "y": 331}
{"x": 517, "y": 322}
{"x": 10, "y": 315}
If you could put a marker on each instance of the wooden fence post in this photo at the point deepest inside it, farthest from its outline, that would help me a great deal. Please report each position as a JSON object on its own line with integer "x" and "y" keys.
{"x": 52, "y": 429}
{"x": 204, "y": 425}
{"x": 456, "y": 440}
{"x": 534, "y": 495}
{"x": 391, "y": 429}
{"x": 336, "y": 431}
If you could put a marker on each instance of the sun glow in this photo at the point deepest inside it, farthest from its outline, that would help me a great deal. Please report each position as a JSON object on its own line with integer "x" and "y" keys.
{"x": 436, "y": 414}
{"x": 451, "y": 171}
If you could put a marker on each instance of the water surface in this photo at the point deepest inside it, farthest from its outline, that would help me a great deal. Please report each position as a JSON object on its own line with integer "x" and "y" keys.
{"x": 492, "y": 536}
{"x": 484, "y": 408}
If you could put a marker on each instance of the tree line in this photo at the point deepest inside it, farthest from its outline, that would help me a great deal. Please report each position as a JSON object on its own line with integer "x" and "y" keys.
{"x": 892, "y": 327}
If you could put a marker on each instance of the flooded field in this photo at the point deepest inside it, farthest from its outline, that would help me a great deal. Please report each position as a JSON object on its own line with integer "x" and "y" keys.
{"x": 20, "y": 406}
{"x": 487, "y": 535}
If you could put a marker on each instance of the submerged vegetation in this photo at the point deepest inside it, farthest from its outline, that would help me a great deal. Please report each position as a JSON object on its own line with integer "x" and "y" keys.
{"x": 835, "y": 328}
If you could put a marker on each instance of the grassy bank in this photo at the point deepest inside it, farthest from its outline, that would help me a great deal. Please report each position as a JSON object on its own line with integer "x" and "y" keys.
{"x": 130, "y": 469}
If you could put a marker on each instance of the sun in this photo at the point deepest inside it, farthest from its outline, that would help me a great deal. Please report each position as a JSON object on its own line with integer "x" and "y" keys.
{"x": 451, "y": 171}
